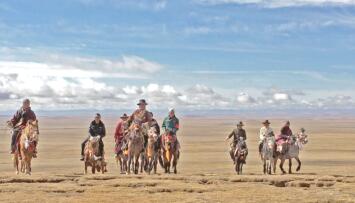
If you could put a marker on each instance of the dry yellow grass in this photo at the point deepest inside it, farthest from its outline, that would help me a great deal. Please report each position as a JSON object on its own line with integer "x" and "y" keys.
{"x": 205, "y": 172}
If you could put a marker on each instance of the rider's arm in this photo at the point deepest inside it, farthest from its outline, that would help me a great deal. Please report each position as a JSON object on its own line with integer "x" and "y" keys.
{"x": 103, "y": 131}
{"x": 163, "y": 124}
{"x": 91, "y": 130}
{"x": 16, "y": 118}
{"x": 244, "y": 135}
{"x": 261, "y": 134}
{"x": 176, "y": 125}
{"x": 230, "y": 135}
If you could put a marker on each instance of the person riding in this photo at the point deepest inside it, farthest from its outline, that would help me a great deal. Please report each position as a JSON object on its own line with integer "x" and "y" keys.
{"x": 302, "y": 138}
{"x": 121, "y": 130}
{"x": 284, "y": 137}
{"x": 171, "y": 126}
{"x": 19, "y": 122}
{"x": 237, "y": 134}
{"x": 265, "y": 131}
{"x": 154, "y": 124}
{"x": 97, "y": 128}
{"x": 141, "y": 116}
{"x": 286, "y": 133}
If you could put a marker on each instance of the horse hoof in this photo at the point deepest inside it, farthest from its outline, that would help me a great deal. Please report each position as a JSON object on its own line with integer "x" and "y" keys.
{"x": 17, "y": 172}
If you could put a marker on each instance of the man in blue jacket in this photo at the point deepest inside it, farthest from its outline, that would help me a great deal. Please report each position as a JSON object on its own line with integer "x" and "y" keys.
{"x": 97, "y": 128}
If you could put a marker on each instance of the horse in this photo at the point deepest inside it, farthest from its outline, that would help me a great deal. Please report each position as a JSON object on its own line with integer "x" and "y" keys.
{"x": 91, "y": 157}
{"x": 135, "y": 147}
{"x": 240, "y": 155}
{"x": 26, "y": 147}
{"x": 292, "y": 152}
{"x": 267, "y": 154}
{"x": 152, "y": 153}
{"x": 122, "y": 157}
{"x": 170, "y": 152}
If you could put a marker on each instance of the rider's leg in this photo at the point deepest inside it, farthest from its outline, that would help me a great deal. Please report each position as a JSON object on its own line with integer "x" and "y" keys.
{"x": 82, "y": 148}
{"x": 35, "y": 150}
{"x": 101, "y": 148}
{"x": 260, "y": 147}
{"x": 13, "y": 141}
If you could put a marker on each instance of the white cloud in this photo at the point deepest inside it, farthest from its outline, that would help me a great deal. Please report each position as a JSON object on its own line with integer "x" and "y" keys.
{"x": 244, "y": 98}
{"x": 281, "y": 97}
{"x": 281, "y": 3}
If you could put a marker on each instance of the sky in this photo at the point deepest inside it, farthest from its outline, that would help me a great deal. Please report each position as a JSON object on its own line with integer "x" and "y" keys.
{"x": 196, "y": 54}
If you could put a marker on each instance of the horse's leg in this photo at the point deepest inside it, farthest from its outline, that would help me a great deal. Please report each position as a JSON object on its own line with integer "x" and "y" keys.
{"x": 102, "y": 167}
{"x": 129, "y": 165}
{"x": 29, "y": 160}
{"x": 290, "y": 166}
{"x": 275, "y": 163}
{"x": 282, "y": 164}
{"x": 299, "y": 163}
{"x": 175, "y": 160}
{"x": 16, "y": 163}
{"x": 85, "y": 168}
{"x": 137, "y": 164}
{"x": 93, "y": 168}
{"x": 142, "y": 162}
{"x": 155, "y": 163}
{"x": 264, "y": 166}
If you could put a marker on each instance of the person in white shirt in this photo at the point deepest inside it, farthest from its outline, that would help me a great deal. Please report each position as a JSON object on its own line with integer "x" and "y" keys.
{"x": 265, "y": 131}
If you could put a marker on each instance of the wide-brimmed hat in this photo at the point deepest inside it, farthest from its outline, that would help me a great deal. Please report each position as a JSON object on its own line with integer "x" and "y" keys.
{"x": 142, "y": 101}
{"x": 124, "y": 116}
{"x": 240, "y": 123}
{"x": 266, "y": 122}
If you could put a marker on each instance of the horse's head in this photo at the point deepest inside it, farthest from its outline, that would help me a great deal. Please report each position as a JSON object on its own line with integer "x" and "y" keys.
{"x": 32, "y": 129}
{"x": 303, "y": 139}
{"x": 153, "y": 134}
{"x": 270, "y": 142}
{"x": 94, "y": 141}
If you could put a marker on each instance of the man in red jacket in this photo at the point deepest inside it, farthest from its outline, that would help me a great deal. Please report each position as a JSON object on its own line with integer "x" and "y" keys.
{"x": 121, "y": 129}
{"x": 19, "y": 122}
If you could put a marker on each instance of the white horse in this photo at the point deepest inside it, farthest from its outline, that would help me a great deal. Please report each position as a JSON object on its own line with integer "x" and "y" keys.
{"x": 267, "y": 154}
{"x": 292, "y": 153}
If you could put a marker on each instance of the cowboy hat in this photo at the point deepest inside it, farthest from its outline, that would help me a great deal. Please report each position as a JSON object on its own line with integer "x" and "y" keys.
{"x": 142, "y": 101}
{"x": 266, "y": 122}
{"x": 124, "y": 116}
{"x": 240, "y": 123}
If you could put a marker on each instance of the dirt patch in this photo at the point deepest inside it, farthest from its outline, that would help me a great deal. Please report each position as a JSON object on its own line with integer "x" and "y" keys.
{"x": 41, "y": 180}
{"x": 298, "y": 184}
{"x": 136, "y": 185}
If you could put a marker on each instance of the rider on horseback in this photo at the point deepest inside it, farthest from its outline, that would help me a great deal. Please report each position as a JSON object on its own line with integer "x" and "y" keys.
{"x": 141, "y": 115}
{"x": 265, "y": 131}
{"x": 154, "y": 124}
{"x": 97, "y": 128}
{"x": 121, "y": 130}
{"x": 19, "y": 121}
{"x": 284, "y": 138}
{"x": 237, "y": 134}
{"x": 171, "y": 125}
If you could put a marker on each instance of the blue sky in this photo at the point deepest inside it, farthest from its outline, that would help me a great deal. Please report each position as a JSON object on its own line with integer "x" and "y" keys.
{"x": 224, "y": 54}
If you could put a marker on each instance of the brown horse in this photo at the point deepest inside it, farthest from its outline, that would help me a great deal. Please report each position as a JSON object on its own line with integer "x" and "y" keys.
{"x": 26, "y": 147}
{"x": 171, "y": 152}
{"x": 135, "y": 147}
{"x": 122, "y": 157}
{"x": 91, "y": 157}
{"x": 151, "y": 151}
{"x": 240, "y": 156}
